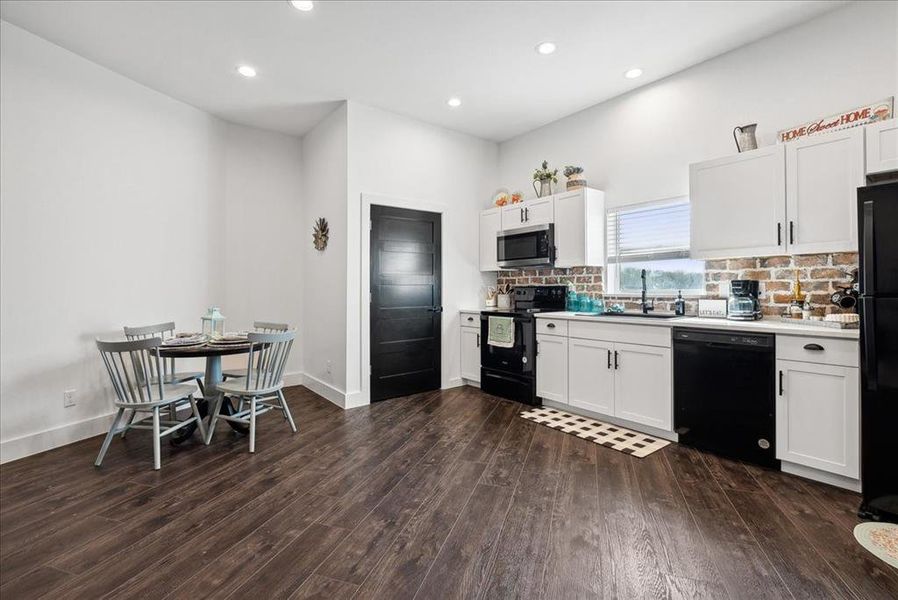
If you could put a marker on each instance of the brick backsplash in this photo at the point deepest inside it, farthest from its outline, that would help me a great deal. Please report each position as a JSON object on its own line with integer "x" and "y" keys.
{"x": 820, "y": 276}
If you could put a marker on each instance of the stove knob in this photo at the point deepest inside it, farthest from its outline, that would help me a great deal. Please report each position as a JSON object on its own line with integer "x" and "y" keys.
{"x": 524, "y": 359}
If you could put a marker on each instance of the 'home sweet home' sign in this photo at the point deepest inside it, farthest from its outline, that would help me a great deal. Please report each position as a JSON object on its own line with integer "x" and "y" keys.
{"x": 869, "y": 113}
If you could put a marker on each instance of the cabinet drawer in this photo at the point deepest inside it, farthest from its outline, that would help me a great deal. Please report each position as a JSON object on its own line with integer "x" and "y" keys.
{"x": 552, "y": 326}
{"x": 648, "y": 335}
{"x": 825, "y": 351}
{"x": 469, "y": 319}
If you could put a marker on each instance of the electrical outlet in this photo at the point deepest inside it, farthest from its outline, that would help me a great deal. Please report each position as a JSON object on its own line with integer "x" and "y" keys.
{"x": 328, "y": 367}
{"x": 68, "y": 398}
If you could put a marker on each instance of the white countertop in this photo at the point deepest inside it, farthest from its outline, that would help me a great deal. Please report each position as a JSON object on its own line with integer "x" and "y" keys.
{"x": 767, "y": 325}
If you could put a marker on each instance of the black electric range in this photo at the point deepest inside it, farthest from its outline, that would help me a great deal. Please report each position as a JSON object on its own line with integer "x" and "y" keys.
{"x": 511, "y": 372}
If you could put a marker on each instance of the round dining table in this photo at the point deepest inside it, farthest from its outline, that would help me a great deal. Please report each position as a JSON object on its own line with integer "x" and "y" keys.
{"x": 212, "y": 377}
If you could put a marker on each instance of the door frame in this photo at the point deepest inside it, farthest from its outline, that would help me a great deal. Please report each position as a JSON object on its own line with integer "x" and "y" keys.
{"x": 365, "y": 325}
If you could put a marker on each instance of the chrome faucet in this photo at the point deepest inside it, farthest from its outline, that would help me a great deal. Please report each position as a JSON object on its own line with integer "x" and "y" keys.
{"x": 645, "y": 306}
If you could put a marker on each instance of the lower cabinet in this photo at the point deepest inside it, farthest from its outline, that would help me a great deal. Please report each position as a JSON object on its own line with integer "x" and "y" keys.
{"x": 643, "y": 385}
{"x": 551, "y": 367}
{"x": 817, "y": 412}
{"x": 470, "y": 353}
{"x": 591, "y": 375}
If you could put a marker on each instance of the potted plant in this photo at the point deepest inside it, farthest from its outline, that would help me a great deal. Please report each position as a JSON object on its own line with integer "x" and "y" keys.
{"x": 575, "y": 178}
{"x": 546, "y": 178}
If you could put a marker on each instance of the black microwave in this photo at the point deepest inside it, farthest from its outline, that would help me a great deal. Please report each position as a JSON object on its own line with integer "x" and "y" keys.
{"x": 526, "y": 246}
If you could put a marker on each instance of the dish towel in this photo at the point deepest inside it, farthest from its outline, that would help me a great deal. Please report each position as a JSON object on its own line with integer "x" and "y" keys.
{"x": 501, "y": 332}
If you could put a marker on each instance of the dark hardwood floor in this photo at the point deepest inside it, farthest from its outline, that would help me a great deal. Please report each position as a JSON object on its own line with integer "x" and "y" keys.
{"x": 441, "y": 495}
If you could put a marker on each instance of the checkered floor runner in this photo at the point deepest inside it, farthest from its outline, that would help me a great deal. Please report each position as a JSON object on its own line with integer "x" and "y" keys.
{"x": 623, "y": 440}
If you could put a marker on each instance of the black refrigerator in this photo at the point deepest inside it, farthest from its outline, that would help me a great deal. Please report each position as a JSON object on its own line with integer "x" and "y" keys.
{"x": 878, "y": 308}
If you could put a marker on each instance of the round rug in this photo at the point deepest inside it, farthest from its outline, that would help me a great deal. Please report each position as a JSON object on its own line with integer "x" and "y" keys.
{"x": 879, "y": 538}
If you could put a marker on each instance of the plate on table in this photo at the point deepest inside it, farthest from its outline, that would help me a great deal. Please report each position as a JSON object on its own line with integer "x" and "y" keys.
{"x": 177, "y": 342}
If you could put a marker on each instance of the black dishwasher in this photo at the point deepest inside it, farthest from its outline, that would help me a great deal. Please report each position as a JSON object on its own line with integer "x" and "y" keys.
{"x": 725, "y": 393}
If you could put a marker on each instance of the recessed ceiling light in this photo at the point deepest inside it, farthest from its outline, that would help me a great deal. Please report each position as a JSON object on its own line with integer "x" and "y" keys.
{"x": 246, "y": 70}
{"x": 303, "y": 5}
{"x": 546, "y": 48}
{"x": 633, "y": 73}
{"x": 454, "y": 102}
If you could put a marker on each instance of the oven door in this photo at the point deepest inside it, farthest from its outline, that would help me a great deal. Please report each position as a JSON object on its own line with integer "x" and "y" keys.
{"x": 517, "y": 360}
{"x": 526, "y": 246}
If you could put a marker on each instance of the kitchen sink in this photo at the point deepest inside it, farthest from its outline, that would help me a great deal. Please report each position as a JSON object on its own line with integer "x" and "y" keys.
{"x": 651, "y": 315}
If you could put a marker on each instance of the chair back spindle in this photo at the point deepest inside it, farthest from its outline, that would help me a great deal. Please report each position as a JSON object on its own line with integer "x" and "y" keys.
{"x": 267, "y": 358}
{"x": 162, "y": 330}
{"x": 128, "y": 364}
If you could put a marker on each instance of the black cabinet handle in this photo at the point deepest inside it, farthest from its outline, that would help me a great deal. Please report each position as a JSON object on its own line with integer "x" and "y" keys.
{"x": 779, "y": 234}
{"x": 521, "y": 210}
{"x": 609, "y": 359}
{"x": 781, "y": 383}
{"x": 478, "y": 340}
{"x": 551, "y": 325}
{"x": 814, "y": 347}
{"x": 615, "y": 359}
{"x": 527, "y": 213}
{"x": 791, "y": 232}
{"x": 470, "y": 318}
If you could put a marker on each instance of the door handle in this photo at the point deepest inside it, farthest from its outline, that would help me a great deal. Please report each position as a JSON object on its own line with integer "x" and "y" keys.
{"x": 478, "y": 340}
{"x": 550, "y": 325}
{"x": 470, "y": 318}
{"x": 609, "y": 359}
{"x": 781, "y": 383}
{"x": 527, "y": 213}
{"x": 791, "y": 232}
{"x": 779, "y": 234}
{"x": 615, "y": 359}
{"x": 869, "y": 274}
{"x": 869, "y": 364}
{"x": 814, "y": 347}
{"x": 521, "y": 210}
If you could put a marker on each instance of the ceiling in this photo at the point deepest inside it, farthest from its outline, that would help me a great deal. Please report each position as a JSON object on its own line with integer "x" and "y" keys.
{"x": 406, "y": 57}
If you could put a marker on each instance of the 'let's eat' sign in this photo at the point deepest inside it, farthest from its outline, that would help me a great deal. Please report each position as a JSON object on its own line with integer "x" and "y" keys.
{"x": 863, "y": 115}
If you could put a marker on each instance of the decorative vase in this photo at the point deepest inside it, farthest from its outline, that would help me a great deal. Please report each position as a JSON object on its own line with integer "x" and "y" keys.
{"x": 503, "y": 300}
{"x": 576, "y": 182}
{"x": 545, "y": 188}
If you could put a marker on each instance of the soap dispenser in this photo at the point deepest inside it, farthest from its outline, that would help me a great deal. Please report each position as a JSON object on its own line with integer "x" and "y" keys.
{"x": 680, "y": 304}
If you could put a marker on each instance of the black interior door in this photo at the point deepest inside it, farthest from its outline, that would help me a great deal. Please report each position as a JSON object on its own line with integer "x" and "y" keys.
{"x": 406, "y": 303}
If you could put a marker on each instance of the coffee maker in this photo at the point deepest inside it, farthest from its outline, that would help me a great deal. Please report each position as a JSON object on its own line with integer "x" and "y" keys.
{"x": 743, "y": 305}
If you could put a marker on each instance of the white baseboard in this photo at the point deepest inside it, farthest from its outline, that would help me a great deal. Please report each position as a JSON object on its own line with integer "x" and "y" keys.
{"x": 325, "y": 390}
{"x": 453, "y": 383}
{"x": 35, "y": 443}
{"x": 822, "y": 476}
{"x": 291, "y": 379}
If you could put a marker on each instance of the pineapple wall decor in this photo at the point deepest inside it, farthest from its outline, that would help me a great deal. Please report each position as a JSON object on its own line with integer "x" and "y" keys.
{"x": 320, "y": 234}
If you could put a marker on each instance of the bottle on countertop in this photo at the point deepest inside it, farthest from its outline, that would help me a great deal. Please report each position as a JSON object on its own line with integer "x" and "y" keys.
{"x": 680, "y": 304}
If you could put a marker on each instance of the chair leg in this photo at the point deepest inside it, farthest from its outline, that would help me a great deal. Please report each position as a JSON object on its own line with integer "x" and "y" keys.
{"x": 286, "y": 410}
{"x": 198, "y": 417}
{"x": 157, "y": 441}
{"x": 215, "y": 407}
{"x": 109, "y": 436}
{"x": 130, "y": 421}
{"x": 252, "y": 425}
{"x": 199, "y": 383}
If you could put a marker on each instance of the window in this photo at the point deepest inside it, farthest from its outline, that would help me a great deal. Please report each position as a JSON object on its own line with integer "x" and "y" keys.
{"x": 653, "y": 236}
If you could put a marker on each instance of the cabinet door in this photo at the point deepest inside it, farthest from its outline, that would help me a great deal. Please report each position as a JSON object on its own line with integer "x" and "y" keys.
{"x": 882, "y": 146}
{"x": 470, "y": 353}
{"x": 539, "y": 211}
{"x": 642, "y": 385}
{"x": 591, "y": 375}
{"x": 817, "y": 416}
{"x": 823, "y": 173}
{"x": 513, "y": 216}
{"x": 738, "y": 204}
{"x": 490, "y": 224}
{"x": 551, "y": 367}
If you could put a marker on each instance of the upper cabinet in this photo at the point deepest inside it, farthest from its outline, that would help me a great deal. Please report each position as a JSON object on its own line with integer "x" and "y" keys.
{"x": 823, "y": 173}
{"x": 490, "y": 224}
{"x": 580, "y": 228}
{"x": 882, "y": 147}
{"x": 794, "y": 198}
{"x": 579, "y": 219}
{"x": 738, "y": 204}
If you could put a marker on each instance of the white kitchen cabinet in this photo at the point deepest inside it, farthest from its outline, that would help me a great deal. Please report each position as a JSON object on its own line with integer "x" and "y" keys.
{"x": 551, "y": 367}
{"x": 591, "y": 375}
{"x": 580, "y": 228}
{"x": 538, "y": 211}
{"x": 643, "y": 390}
{"x": 738, "y": 205}
{"x": 882, "y": 146}
{"x": 823, "y": 173}
{"x": 490, "y": 224}
{"x": 817, "y": 416}
{"x": 470, "y": 352}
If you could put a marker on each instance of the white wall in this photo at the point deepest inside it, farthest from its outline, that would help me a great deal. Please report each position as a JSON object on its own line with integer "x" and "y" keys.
{"x": 638, "y": 147}
{"x": 113, "y": 202}
{"x": 324, "y": 273}
{"x": 263, "y": 280}
{"x": 395, "y": 156}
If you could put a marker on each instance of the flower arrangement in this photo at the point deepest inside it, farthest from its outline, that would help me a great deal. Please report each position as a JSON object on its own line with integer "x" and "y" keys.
{"x": 544, "y": 174}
